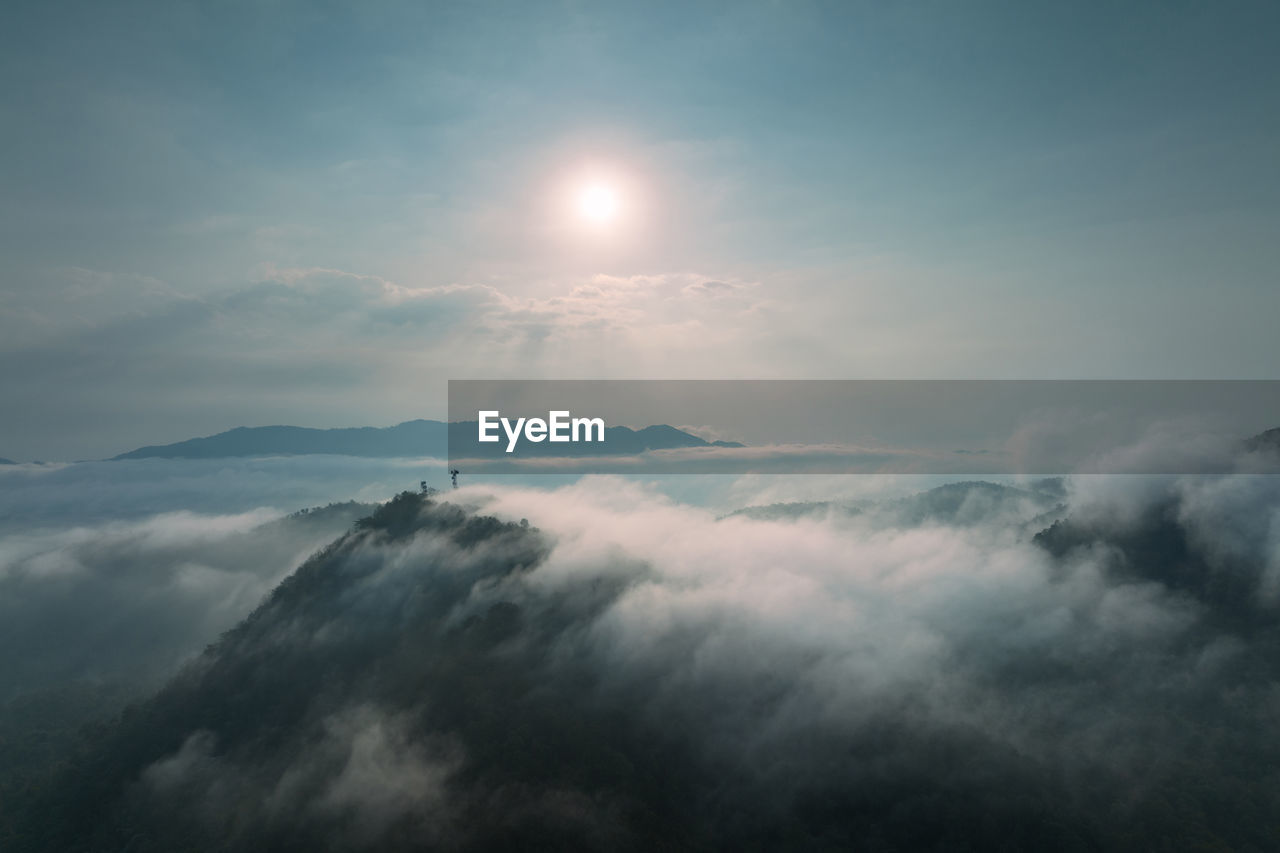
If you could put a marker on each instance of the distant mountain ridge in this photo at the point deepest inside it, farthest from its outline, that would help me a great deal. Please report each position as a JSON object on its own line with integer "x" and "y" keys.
{"x": 411, "y": 438}
{"x": 431, "y": 438}
{"x": 1264, "y": 441}
{"x": 964, "y": 503}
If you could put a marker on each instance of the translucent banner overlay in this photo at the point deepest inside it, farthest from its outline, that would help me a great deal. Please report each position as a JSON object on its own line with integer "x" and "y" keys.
{"x": 954, "y": 427}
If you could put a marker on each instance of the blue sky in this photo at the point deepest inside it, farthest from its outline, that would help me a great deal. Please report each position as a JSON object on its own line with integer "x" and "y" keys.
{"x": 315, "y": 213}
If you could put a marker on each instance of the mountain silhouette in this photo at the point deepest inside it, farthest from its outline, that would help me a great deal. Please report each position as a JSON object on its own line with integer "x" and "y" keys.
{"x": 409, "y": 439}
{"x": 965, "y": 503}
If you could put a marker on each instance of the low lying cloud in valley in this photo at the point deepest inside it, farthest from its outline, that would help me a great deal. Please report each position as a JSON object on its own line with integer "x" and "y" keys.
{"x": 131, "y": 600}
{"x": 1047, "y": 665}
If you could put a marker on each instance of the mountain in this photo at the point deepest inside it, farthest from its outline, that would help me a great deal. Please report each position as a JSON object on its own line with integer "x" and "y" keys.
{"x": 409, "y": 439}
{"x": 1264, "y": 441}
{"x": 961, "y": 504}
{"x": 359, "y": 639}
{"x": 794, "y": 510}
{"x": 423, "y": 684}
{"x": 618, "y": 441}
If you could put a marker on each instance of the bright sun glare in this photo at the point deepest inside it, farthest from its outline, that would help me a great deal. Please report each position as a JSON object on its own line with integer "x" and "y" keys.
{"x": 598, "y": 203}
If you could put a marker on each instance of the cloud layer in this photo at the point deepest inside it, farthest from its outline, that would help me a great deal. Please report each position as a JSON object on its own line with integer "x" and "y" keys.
{"x": 641, "y": 673}
{"x": 128, "y": 601}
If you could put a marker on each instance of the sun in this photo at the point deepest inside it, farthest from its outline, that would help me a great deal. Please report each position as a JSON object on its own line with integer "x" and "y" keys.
{"x": 599, "y": 204}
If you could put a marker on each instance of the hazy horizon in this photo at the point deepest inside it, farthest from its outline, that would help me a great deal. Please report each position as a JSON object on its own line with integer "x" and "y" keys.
{"x": 271, "y": 214}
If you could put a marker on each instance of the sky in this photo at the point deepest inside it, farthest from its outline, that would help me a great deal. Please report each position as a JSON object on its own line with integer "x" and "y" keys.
{"x": 314, "y": 213}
